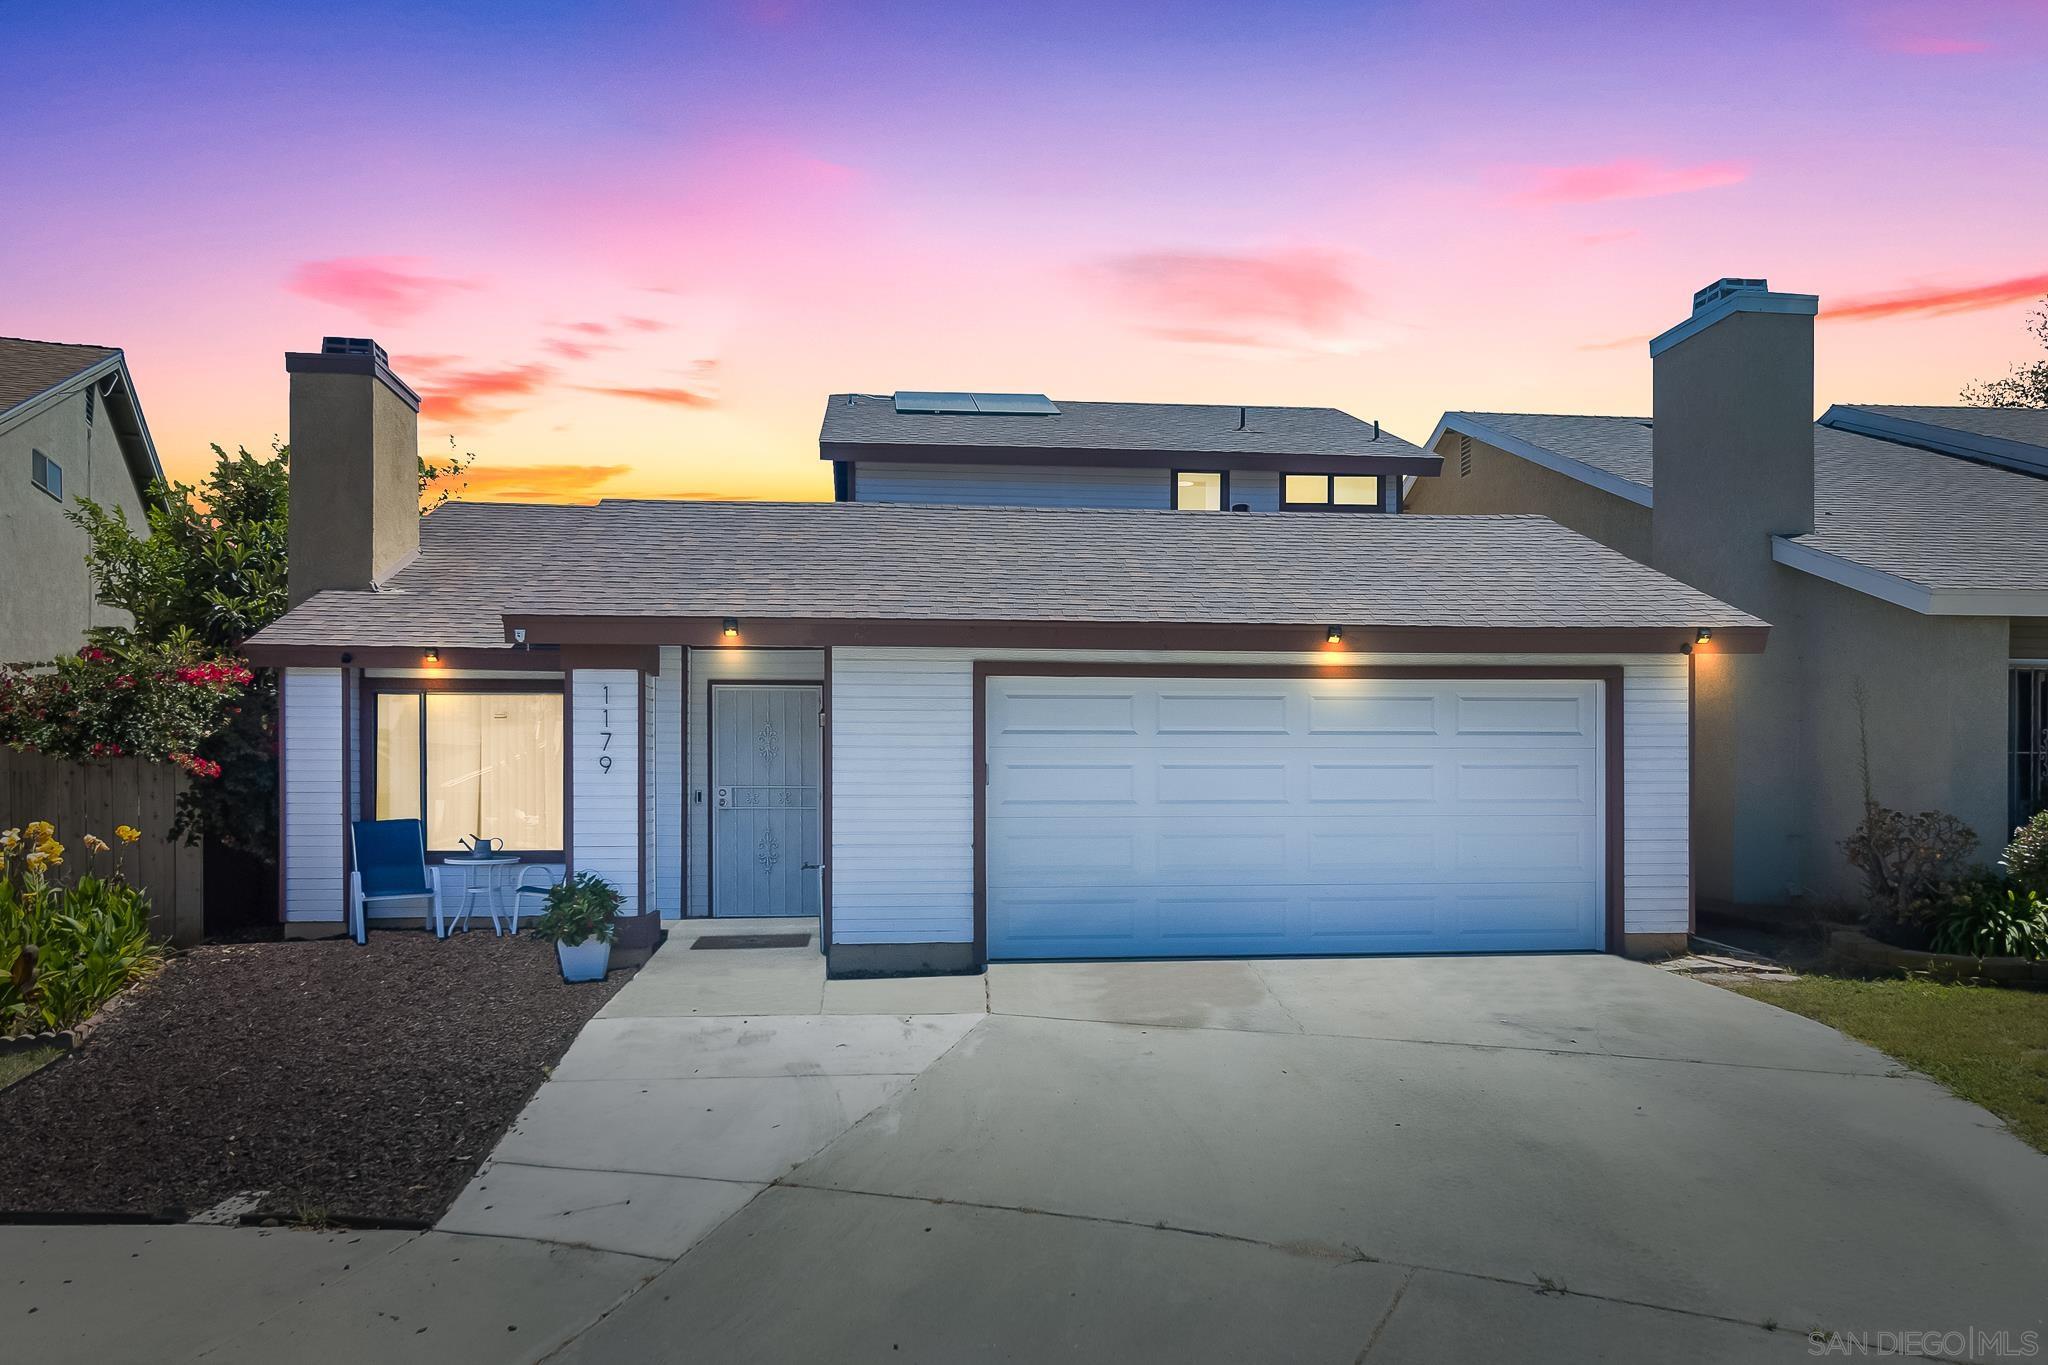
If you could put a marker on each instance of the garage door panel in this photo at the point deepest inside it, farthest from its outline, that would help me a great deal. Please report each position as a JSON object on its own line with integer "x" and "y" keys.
{"x": 1308, "y": 816}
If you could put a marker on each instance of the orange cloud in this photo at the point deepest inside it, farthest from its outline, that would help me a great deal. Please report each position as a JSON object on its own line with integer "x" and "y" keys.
{"x": 673, "y": 397}
{"x": 381, "y": 288}
{"x": 448, "y": 394}
{"x": 539, "y": 482}
{"x": 1936, "y": 301}
{"x": 1245, "y": 299}
{"x": 1623, "y": 178}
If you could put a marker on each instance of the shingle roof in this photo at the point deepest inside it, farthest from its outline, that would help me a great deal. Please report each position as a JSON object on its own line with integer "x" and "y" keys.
{"x": 2027, "y": 425}
{"x": 1945, "y": 523}
{"x": 1212, "y": 428}
{"x": 28, "y": 368}
{"x": 886, "y": 562}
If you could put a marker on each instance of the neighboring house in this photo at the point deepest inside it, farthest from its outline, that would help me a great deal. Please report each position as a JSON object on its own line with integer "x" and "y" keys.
{"x": 958, "y": 733}
{"x": 70, "y": 428}
{"x": 1024, "y": 450}
{"x": 1900, "y": 552}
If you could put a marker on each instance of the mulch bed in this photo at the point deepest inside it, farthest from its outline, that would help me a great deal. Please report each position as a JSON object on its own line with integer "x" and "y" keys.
{"x": 353, "y": 1083}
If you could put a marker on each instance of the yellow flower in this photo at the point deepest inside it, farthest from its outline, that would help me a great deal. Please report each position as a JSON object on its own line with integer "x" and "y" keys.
{"x": 51, "y": 851}
{"x": 36, "y": 862}
{"x": 127, "y": 834}
{"x": 39, "y": 830}
{"x": 95, "y": 843}
{"x": 9, "y": 838}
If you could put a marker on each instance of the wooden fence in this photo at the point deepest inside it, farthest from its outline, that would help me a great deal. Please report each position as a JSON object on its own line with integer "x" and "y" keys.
{"x": 81, "y": 799}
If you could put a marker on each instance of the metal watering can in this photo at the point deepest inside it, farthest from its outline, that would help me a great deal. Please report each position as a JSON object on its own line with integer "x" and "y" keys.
{"x": 481, "y": 846}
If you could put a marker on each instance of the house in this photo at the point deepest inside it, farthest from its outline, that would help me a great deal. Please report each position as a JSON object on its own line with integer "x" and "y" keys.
{"x": 1901, "y": 553}
{"x": 960, "y": 732}
{"x": 70, "y": 428}
{"x": 1025, "y": 450}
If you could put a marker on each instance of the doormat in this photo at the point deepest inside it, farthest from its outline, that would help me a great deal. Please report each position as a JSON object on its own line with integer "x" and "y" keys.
{"x": 751, "y": 941}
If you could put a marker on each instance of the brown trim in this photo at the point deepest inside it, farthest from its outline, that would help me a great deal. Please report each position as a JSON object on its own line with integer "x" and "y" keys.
{"x": 1612, "y": 740}
{"x": 1419, "y": 462}
{"x": 644, "y": 712}
{"x": 610, "y": 654}
{"x": 536, "y": 658}
{"x": 1173, "y": 488}
{"x": 348, "y": 841}
{"x": 1692, "y": 787}
{"x": 711, "y": 686}
{"x": 568, "y": 775}
{"x": 369, "y": 689}
{"x": 704, "y": 632}
{"x": 825, "y": 824}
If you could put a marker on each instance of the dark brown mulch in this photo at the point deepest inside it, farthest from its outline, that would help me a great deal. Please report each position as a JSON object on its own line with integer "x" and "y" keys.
{"x": 356, "y": 1082}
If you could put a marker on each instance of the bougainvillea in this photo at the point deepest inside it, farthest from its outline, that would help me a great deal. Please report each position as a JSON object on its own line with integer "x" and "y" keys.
{"x": 118, "y": 698}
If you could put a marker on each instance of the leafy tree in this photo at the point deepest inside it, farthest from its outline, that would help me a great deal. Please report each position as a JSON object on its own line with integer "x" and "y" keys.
{"x": 2026, "y": 386}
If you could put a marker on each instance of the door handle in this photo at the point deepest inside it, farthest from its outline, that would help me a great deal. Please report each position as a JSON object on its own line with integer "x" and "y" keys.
{"x": 812, "y": 867}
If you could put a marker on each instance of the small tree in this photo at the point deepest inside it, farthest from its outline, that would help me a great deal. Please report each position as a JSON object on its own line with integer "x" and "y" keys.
{"x": 2026, "y": 386}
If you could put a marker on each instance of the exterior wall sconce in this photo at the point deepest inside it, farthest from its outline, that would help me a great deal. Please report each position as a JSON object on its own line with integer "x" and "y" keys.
{"x": 1334, "y": 635}
{"x": 731, "y": 631}
{"x": 433, "y": 656}
{"x": 1706, "y": 634}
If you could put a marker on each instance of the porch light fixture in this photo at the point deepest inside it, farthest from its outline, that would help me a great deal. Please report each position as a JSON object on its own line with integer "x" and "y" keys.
{"x": 433, "y": 656}
{"x": 1334, "y": 634}
{"x": 1706, "y": 633}
{"x": 732, "y": 628}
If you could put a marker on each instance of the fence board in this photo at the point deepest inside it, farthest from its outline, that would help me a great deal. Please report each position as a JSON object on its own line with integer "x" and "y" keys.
{"x": 81, "y": 799}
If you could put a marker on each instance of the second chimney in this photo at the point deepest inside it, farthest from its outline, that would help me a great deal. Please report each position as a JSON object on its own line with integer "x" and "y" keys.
{"x": 355, "y": 496}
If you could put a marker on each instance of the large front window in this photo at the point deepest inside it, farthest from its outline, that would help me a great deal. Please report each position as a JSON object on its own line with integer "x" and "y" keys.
{"x": 469, "y": 764}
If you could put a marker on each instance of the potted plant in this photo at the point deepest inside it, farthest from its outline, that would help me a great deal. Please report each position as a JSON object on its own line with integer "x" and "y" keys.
{"x": 577, "y": 919}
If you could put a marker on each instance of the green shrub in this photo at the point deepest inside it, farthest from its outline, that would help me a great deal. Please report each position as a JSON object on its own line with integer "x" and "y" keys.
{"x": 1987, "y": 915}
{"x": 66, "y": 948}
{"x": 1904, "y": 860}
{"x": 578, "y": 910}
{"x": 2026, "y": 857}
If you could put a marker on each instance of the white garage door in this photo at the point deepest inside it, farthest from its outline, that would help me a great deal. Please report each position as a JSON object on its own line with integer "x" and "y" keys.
{"x": 1175, "y": 817}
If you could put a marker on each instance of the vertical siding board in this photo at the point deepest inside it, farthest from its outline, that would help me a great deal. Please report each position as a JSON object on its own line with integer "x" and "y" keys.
{"x": 605, "y": 802}
{"x": 313, "y": 803}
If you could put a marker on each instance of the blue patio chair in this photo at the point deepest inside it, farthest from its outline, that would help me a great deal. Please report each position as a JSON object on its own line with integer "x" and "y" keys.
{"x": 537, "y": 889}
{"x": 390, "y": 865}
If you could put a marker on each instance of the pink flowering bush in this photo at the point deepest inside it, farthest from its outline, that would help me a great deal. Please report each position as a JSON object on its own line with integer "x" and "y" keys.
{"x": 119, "y": 698}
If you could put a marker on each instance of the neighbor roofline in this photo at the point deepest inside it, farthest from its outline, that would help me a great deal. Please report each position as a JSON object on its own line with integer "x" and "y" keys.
{"x": 1466, "y": 424}
{"x": 1903, "y": 592}
{"x": 138, "y": 447}
{"x": 1364, "y": 462}
{"x": 2018, "y": 456}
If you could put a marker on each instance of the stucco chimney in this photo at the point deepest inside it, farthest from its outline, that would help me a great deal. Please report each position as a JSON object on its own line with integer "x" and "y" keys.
{"x": 1732, "y": 429}
{"x": 355, "y": 506}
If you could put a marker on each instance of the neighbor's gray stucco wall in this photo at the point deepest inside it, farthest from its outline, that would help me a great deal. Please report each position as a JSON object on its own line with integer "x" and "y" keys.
{"x": 48, "y": 602}
{"x": 1500, "y": 482}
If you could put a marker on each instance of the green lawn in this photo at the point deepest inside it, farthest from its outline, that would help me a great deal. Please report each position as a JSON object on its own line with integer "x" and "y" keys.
{"x": 15, "y": 1065}
{"x": 1988, "y": 1045}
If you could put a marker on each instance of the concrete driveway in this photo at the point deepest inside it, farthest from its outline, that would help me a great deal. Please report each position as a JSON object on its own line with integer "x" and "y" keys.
{"x": 1389, "y": 1160}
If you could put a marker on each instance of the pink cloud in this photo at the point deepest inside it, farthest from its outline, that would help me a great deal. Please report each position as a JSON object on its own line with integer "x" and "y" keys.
{"x": 450, "y": 394}
{"x": 574, "y": 350}
{"x": 591, "y": 329}
{"x": 1623, "y": 178}
{"x": 671, "y": 396}
{"x": 381, "y": 288}
{"x": 1244, "y": 299}
{"x": 643, "y": 324}
{"x": 1937, "y": 301}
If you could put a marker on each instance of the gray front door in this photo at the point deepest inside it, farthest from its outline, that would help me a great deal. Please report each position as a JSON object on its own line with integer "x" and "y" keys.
{"x": 767, "y": 785}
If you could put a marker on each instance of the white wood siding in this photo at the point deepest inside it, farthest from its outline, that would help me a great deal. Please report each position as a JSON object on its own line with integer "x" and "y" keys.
{"x": 605, "y": 802}
{"x": 313, "y": 814}
{"x": 902, "y": 854}
{"x": 1012, "y": 485}
{"x": 666, "y": 785}
{"x": 727, "y": 665}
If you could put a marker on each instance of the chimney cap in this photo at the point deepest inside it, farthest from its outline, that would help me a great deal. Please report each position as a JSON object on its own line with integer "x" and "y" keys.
{"x": 1726, "y": 287}
{"x": 1729, "y": 295}
{"x": 354, "y": 346}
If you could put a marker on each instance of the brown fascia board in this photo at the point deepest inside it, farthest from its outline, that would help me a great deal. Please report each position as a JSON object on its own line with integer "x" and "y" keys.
{"x": 1420, "y": 463}
{"x": 822, "y": 632}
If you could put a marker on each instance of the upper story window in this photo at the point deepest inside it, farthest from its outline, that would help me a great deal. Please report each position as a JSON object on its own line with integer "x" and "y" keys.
{"x": 1194, "y": 491}
{"x": 46, "y": 474}
{"x": 469, "y": 763}
{"x": 1330, "y": 492}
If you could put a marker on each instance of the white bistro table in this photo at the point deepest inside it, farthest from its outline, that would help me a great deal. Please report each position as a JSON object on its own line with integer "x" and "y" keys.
{"x": 490, "y": 878}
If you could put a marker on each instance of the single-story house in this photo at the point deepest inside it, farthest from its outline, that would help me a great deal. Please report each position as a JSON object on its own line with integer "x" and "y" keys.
{"x": 958, "y": 733}
{"x": 1901, "y": 554}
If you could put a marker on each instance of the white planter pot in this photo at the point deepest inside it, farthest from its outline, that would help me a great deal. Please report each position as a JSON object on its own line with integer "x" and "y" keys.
{"x": 587, "y": 961}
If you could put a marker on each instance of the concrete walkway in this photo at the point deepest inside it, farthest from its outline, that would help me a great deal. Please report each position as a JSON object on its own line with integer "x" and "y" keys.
{"x": 1383, "y": 1160}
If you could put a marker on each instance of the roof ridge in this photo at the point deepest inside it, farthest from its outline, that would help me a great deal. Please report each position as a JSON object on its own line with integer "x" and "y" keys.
{"x": 76, "y": 345}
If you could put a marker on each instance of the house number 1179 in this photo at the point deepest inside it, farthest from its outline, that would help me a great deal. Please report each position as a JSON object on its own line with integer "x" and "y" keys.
{"x": 604, "y": 759}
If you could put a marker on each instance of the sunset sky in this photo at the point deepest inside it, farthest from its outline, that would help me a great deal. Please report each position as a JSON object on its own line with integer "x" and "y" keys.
{"x": 627, "y": 248}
